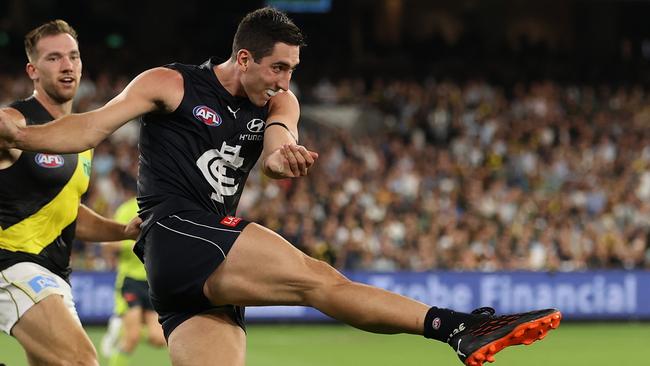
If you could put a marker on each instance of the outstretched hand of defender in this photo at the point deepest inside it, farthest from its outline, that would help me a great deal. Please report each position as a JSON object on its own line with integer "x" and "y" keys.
{"x": 296, "y": 161}
{"x": 8, "y": 131}
{"x": 132, "y": 229}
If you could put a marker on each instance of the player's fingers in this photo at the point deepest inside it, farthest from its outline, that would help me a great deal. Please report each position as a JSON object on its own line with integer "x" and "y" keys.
{"x": 302, "y": 164}
{"x": 301, "y": 154}
{"x": 291, "y": 159}
{"x": 132, "y": 229}
{"x": 305, "y": 154}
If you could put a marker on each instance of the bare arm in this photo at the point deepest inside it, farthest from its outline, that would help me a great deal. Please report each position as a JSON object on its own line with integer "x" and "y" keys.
{"x": 112, "y": 246}
{"x": 155, "y": 89}
{"x": 93, "y": 227}
{"x": 15, "y": 120}
{"x": 282, "y": 156}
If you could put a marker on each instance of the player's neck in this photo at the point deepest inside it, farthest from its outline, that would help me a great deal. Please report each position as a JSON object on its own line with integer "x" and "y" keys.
{"x": 229, "y": 76}
{"x": 55, "y": 109}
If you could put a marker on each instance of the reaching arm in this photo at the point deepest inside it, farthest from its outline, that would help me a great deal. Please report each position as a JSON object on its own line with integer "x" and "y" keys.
{"x": 122, "y": 245}
{"x": 282, "y": 156}
{"x": 113, "y": 246}
{"x": 155, "y": 89}
{"x": 93, "y": 227}
{"x": 14, "y": 120}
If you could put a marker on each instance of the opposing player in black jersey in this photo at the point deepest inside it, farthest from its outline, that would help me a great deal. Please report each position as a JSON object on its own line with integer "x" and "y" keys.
{"x": 40, "y": 212}
{"x": 203, "y": 128}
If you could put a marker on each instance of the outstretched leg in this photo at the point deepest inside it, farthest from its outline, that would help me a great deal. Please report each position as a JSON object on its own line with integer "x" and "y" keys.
{"x": 264, "y": 269}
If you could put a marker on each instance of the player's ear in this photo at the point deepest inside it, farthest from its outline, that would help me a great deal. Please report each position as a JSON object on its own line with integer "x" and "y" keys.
{"x": 31, "y": 71}
{"x": 244, "y": 58}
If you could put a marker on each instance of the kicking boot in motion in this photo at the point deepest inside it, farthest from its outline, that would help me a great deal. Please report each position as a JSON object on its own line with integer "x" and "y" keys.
{"x": 478, "y": 342}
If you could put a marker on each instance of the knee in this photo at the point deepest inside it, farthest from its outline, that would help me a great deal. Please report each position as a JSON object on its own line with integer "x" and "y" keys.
{"x": 83, "y": 355}
{"x": 325, "y": 273}
{"x": 321, "y": 278}
{"x": 87, "y": 358}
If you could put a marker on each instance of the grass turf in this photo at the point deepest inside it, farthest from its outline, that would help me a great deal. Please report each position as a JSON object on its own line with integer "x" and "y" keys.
{"x": 574, "y": 344}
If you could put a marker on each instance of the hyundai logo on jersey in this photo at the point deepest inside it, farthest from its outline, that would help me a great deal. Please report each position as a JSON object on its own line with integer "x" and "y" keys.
{"x": 207, "y": 115}
{"x": 49, "y": 161}
{"x": 255, "y": 125}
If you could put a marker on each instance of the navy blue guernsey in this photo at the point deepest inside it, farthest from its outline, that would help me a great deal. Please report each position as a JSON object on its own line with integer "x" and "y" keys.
{"x": 199, "y": 156}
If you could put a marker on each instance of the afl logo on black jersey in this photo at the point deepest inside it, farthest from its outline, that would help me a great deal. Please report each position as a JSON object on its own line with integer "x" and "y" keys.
{"x": 49, "y": 161}
{"x": 207, "y": 115}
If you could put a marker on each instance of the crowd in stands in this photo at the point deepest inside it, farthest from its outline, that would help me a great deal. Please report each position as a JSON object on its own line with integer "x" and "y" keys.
{"x": 448, "y": 176}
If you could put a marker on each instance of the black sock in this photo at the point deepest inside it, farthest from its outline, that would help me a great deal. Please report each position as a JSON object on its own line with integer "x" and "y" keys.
{"x": 440, "y": 323}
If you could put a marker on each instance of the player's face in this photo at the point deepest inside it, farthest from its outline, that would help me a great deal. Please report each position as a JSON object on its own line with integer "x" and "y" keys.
{"x": 57, "y": 67}
{"x": 271, "y": 74}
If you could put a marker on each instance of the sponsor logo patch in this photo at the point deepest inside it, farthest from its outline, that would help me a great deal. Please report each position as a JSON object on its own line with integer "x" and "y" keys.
{"x": 207, "y": 115}
{"x": 38, "y": 283}
{"x": 230, "y": 221}
{"x": 249, "y": 137}
{"x": 436, "y": 323}
{"x": 49, "y": 161}
{"x": 256, "y": 125}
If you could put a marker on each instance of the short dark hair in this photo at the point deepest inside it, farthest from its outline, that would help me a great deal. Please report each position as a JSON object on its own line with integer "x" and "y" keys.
{"x": 261, "y": 29}
{"x": 50, "y": 28}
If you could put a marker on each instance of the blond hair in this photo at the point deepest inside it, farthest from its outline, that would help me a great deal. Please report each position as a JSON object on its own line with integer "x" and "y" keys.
{"x": 50, "y": 28}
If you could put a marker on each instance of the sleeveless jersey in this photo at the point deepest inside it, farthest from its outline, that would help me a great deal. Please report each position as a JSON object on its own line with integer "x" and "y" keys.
{"x": 199, "y": 156}
{"x": 39, "y": 201}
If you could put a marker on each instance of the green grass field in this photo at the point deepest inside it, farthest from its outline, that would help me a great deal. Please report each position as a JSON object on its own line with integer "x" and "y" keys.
{"x": 573, "y": 344}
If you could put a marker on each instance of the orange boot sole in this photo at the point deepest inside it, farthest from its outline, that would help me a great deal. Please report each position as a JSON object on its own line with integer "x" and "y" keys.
{"x": 525, "y": 333}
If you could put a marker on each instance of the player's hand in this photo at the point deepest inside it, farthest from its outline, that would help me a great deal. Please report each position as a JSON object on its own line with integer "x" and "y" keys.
{"x": 290, "y": 161}
{"x": 8, "y": 131}
{"x": 132, "y": 229}
{"x": 298, "y": 160}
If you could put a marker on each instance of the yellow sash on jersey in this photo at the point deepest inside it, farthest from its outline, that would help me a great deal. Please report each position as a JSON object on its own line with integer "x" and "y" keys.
{"x": 37, "y": 231}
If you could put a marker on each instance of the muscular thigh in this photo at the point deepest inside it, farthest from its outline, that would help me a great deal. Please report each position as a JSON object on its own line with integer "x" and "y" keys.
{"x": 39, "y": 331}
{"x": 264, "y": 269}
{"x": 36, "y": 307}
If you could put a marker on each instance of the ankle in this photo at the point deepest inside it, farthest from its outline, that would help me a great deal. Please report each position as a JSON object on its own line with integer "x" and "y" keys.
{"x": 442, "y": 324}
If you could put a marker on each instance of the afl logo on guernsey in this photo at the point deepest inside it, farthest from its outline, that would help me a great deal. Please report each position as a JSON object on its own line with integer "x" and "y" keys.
{"x": 207, "y": 115}
{"x": 49, "y": 161}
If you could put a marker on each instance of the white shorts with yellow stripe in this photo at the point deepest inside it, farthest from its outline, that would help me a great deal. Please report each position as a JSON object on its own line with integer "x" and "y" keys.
{"x": 25, "y": 284}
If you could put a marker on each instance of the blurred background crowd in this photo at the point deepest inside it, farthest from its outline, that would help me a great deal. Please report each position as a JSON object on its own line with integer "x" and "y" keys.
{"x": 433, "y": 160}
{"x": 441, "y": 175}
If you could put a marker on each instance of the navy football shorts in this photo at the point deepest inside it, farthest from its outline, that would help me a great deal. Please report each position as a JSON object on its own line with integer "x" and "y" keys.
{"x": 181, "y": 252}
